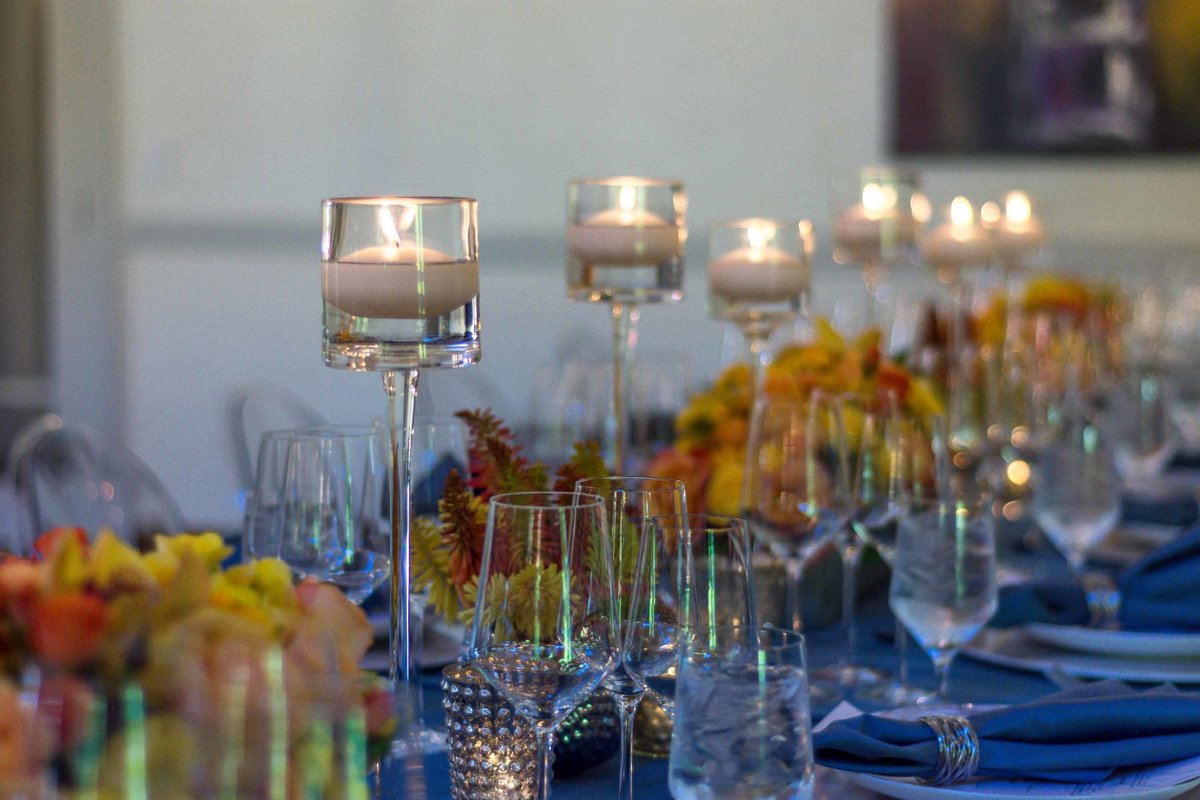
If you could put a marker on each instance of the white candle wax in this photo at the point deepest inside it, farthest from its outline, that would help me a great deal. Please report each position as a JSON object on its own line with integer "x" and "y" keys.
{"x": 952, "y": 246}
{"x": 960, "y": 241}
{"x": 399, "y": 282}
{"x": 757, "y": 275}
{"x": 623, "y": 237}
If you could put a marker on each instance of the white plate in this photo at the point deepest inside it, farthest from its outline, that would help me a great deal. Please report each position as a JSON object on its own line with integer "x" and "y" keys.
{"x": 1014, "y": 648}
{"x": 1135, "y": 644}
{"x": 908, "y": 789}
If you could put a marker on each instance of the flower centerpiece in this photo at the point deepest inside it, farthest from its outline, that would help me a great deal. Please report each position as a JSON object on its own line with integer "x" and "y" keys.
{"x": 161, "y": 674}
{"x": 712, "y": 430}
{"x": 491, "y": 747}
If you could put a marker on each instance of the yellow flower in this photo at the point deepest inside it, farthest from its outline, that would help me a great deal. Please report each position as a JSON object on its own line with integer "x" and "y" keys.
{"x": 115, "y": 566}
{"x": 534, "y": 601}
{"x": 209, "y": 547}
{"x": 162, "y": 565}
{"x": 68, "y": 566}
{"x": 724, "y": 492}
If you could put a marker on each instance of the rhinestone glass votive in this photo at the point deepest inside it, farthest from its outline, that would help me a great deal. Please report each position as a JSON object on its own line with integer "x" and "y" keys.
{"x": 493, "y": 750}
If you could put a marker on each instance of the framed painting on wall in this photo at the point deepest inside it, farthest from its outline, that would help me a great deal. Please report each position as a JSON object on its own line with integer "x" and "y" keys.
{"x": 1045, "y": 76}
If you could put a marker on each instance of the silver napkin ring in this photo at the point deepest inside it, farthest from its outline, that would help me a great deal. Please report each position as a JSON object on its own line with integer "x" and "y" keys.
{"x": 958, "y": 749}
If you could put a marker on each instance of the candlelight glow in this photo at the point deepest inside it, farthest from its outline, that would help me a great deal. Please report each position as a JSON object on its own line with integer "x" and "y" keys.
{"x": 627, "y": 198}
{"x": 388, "y": 227}
{"x": 878, "y": 199}
{"x": 922, "y": 209}
{"x": 759, "y": 234}
{"x": 989, "y": 214}
{"x": 962, "y": 213}
{"x": 1017, "y": 208}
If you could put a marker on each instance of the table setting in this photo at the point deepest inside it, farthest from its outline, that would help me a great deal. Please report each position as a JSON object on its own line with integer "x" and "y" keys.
{"x": 941, "y": 554}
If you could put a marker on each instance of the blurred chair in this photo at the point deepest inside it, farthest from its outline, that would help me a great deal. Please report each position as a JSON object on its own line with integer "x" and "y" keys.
{"x": 70, "y": 474}
{"x": 255, "y": 410}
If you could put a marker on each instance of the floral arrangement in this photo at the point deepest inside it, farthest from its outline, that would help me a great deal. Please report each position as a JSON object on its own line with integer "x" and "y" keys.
{"x": 447, "y": 554}
{"x": 1058, "y": 294}
{"x": 215, "y": 657}
{"x": 709, "y": 451}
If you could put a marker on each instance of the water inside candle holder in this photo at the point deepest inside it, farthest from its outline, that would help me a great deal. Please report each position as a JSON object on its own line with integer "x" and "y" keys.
{"x": 364, "y": 343}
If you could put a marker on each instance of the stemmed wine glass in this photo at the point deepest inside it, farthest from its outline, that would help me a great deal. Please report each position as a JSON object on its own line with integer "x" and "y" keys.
{"x": 758, "y": 278}
{"x": 795, "y": 493}
{"x": 1076, "y": 490}
{"x": 695, "y": 575}
{"x": 625, "y": 240}
{"x": 328, "y": 528}
{"x": 400, "y": 285}
{"x": 879, "y": 453}
{"x": 631, "y": 502}
{"x": 543, "y": 634}
{"x": 944, "y": 576}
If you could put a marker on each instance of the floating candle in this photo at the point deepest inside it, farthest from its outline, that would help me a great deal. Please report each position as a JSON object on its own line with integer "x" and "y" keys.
{"x": 624, "y": 236}
{"x": 758, "y": 273}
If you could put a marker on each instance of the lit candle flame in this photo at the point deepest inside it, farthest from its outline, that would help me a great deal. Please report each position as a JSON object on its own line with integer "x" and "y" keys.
{"x": 627, "y": 198}
{"x": 921, "y": 208}
{"x": 389, "y": 226}
{"x": 1017, "y": 208}
{"x": 962, "y": 214}
{"x": 989, "y": 213}
{"x": 758, "y": 235}
{"x": 877, "y": 199}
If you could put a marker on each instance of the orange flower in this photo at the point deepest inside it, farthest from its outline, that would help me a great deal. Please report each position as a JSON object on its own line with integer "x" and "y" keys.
{"x": 67, "y": 628}
{"x": 693, "y": 468}
{"x": 48, "y": 542}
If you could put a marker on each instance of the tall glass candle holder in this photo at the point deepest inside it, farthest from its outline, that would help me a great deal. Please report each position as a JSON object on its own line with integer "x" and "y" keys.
{"x": 625, "y": 240}
{"x": 759, "y": 273}
{"x": 877, "y": 215}
{"x": 400, "y": 285}
{"x": 959, "y": 250}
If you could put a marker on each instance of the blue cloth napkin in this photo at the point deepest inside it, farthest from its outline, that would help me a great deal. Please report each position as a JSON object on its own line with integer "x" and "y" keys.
{"x": 1174, "y": 509}
{"x": 1079, "y": 736}
{"x": 1159, "y": 593}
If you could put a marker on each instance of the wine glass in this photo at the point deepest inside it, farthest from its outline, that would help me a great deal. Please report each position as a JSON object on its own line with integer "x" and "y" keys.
{"x": 795, "y": 493}
{"x": 1076, "y": 490}
{"x": 400, "y": 289}
{"x": 758, "y": 278}
{"x": 328, "y": 525}
{"x": 694, "y": 576}
{"x": 625, "y": 239}
{"x": 1139, "y": 421}
{"x": 630, "y": 502}
{"x": 944, "y": 576}
{"x": 260, "y": 531}
{"x": 880, "y": 495}
{"x": 543, "y": 634}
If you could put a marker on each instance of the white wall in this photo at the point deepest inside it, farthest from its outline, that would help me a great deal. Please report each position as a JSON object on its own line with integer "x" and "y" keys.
{"x": 237, "y": 118}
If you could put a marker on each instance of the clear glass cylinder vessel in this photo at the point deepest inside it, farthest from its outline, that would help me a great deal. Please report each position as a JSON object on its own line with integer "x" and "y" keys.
{"x": 400, "y": 282}
{"x": 759, "y": 270}
{"x": 625, "y": 240}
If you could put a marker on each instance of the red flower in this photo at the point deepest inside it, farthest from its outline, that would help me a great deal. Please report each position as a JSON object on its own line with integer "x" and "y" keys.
{"x": 67, "y": 628}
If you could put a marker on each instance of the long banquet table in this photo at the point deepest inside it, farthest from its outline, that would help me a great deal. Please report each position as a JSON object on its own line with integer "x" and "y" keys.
{"x": 970, "y": 681}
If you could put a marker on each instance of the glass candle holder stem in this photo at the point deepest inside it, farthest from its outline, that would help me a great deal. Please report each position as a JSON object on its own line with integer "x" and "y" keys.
{"x": 625, "y": 339}
{"x": 401, "y": 403}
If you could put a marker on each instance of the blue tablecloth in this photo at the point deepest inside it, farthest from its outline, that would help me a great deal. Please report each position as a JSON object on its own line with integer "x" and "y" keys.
{"x": 427, "y": 779}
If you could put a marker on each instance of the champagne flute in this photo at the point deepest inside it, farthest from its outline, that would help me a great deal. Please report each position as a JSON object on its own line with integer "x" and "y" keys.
{"x": 543, "y": 634}
{"x": 944, "y": 576}
{"x": 795, "y": 489}
{"x": 400, "y": 287}
{"x": 630, "y": 502}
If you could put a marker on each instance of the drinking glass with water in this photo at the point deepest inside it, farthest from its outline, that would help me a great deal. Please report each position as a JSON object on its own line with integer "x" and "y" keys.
{"x": 944, "y": 576}
{"x": 742, "y": 725}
